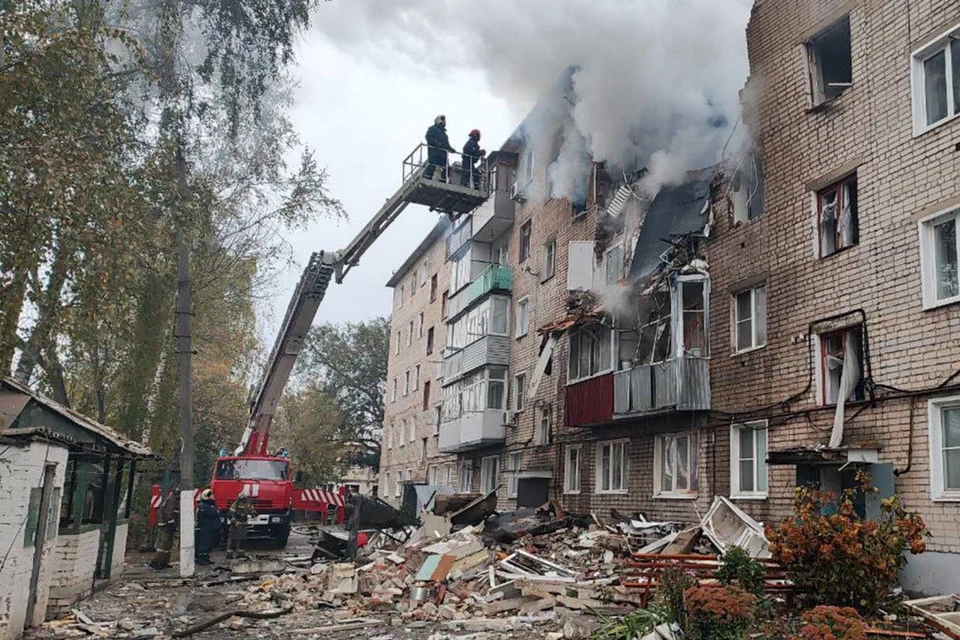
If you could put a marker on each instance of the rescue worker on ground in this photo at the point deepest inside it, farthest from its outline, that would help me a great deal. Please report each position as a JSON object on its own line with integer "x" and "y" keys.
{"x": 472, "y": 153}
{"x": 438, "y": 144}
{"x": 208, "y": 527}
{"x": 240, "y": 513}
{"x": 167, "y": 517}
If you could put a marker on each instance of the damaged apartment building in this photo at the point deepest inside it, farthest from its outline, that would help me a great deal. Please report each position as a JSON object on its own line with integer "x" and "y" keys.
{"x": 785, "y": 317}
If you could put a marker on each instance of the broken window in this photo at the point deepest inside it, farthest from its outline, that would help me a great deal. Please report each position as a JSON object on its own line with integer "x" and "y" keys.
{"x": 519, "y": 391}
{"x": 410, "y": 333}
{"x": 406, "y": 383}
{"x": 693, "y": 299}
{"x": 591, "y": 352}
{"x": 612, "y": 466}
{"x": 940, "y": 255}
{"x": 525, "y": 231}
{"x": 423, "y": 449}
{"x": 513, "y": 465}
{"x": 613, "y": 264}
{"x": 549, "y": 259}
{"x": 396, "y": 348}
{"x": 675, "y": 464}
{"x": 747, "y": 189}
{"x": 416, "y": 377}
{"x": 945, "y": 447}
{"x": 523, "y": 309}
{"x": 837, "y": 224}
{"x": 460, "y": 272}
{"x": 654, "y": 342}
{"x": 413, "y": 283}
{"x": 936, "y": 81}
{"x": 571, "y": 469}
{"x": 393, "y": 396}
{"x": 429, "y": 340}
{"x": 489, "y": 473}
{"x": 544, "y": 426}
{"x": 750, "y": 309}
{"x": 474, "y": 393}
{"x": 426, "y": 395}
{"x": 465, "y": 476}
{"x": 437, "y": 419}
{"x": 497, "y": 388}
{"x": 400, "y": 296}
{"x": 420, "y": 327}
{"x": 443, "y": 305}
{"x": 841, "y": 365}
{"x": 487, "y": 318}
{"x": 830, "y": 62}
{"x": 528, "y": 166}
{"x": 748, "y": 453}
{"x": 433, "y": 287}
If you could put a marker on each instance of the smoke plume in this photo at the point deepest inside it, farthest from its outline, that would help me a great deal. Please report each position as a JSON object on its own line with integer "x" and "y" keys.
{"x": 656, "y": 81}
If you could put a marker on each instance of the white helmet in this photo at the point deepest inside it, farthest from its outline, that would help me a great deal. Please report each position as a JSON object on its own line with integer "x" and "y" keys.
{"x": 440, "y": 119}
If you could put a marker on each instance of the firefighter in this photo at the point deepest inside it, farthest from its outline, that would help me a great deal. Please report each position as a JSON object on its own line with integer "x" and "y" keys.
{"x": 471, "y": 156}
{"x": 167, "y": 517}
{"x": 208, "y": 527}
{"x": 438, "y": 144}
{"x": 240, "y": 513}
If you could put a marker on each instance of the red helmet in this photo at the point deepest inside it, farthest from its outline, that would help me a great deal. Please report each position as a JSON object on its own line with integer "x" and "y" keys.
{"x": 475, "y": 134}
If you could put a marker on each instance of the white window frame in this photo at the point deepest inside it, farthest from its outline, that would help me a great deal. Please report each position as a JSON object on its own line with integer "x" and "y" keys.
{"x": 549, "y": 259}
{"x": 522, "y": 317}
{"x": 761, "y": 471}
{"x": 544, "y": 433}
{"x": 624, "y": 446}
{"x": 406, "y": 383}
{"x": 396, "y": 485}
{"x": 928, "y": 258}
{"x": 918, "y": 84}
{"x": 575, "y": 333}
{"x": 935, "y": 407}
{"x": 413, "y": 283}
{"x": 519, "y": 392}
{"x": 402, "y": 435}
{"x": 514, "y": 460}
{"x": 524, "y": 248}
{"x": 412, "y": 430}
{"x": 465, "y": 476}
{"x": 606, "y": 264}
{"x": 393, "y": 394}
{"x": 400, "y": 306}
{"x": 693, "y": 453}
{"x": 755, "y": 340}
{"x": 448, "y": 474}
{"x": 396, "y": 349}
{"x": 572, "y": 473}
{"x": 416, "y": 377}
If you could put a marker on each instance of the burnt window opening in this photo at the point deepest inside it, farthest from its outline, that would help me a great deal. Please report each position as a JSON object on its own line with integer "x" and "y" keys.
{"x": 747, "y": 189}
{"x": 524, "y": 242}
{"x": 837, "y": 219}
{"x": 830, "y": 62}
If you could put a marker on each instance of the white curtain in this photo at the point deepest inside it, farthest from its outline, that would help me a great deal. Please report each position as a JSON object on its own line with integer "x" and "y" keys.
{"x": 849, "y": 379}
{"x": 845, "y": 221}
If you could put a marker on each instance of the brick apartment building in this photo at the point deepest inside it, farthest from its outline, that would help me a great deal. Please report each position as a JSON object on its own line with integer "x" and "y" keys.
{"x": 785, "y": 317}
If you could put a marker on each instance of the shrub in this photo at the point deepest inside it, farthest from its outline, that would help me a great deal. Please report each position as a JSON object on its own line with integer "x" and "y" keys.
{"x": 718, "y": 612}
{"x": 670, "y": 594}
{"x": 738, "y": 568}
{"x": 840, "y": 558}
{"x": 832, "y": 623}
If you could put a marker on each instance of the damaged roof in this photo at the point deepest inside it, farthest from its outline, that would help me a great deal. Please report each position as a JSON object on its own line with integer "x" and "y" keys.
{"x": 677, "y": 211}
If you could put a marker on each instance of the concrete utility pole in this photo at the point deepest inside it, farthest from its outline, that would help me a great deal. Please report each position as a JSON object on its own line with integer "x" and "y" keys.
{"x": 184, "y": 324}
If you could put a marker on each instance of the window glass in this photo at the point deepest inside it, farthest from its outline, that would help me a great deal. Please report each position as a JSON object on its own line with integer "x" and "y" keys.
{"x": 550, "y": 259}
{"x": 500, "y": 316}
{"x": 935, "y": 86}
{"x": 614, "y": 264}
{"x": 945, "y": 250}
{"x": 694, "y": 329}
{"x": 955, "y": 68}
{"x": 744, "y": 320}
{"x": 251, "y": 470}
{"x": 746, "y": 459}
{"x": 951, "y": 447}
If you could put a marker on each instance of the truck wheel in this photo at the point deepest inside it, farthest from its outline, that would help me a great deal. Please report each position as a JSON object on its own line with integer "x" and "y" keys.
{"x": 281, "y": 536}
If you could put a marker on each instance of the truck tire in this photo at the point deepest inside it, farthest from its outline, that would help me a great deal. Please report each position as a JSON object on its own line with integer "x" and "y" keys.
{"x": 281, "y": 535}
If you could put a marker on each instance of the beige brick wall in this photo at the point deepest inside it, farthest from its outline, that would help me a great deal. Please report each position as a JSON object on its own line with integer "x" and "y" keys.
{"x": 405, "y": 455}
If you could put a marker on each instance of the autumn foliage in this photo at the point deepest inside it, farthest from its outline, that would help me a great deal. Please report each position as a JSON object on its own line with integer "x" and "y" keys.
{"x": 839, "y": 558}
{"x": 718, "y": 612}
{"x": 832, "y": 623}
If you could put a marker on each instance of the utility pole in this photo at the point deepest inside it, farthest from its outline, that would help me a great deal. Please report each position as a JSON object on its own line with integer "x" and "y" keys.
{"x": 184, "y": 324}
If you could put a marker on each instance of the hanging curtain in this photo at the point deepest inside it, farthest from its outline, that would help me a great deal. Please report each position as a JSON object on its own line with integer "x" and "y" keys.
{"x": 849, "y": 379}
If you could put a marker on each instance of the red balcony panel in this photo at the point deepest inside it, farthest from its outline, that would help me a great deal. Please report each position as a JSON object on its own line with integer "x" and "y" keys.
{"x": 590, "y": 402}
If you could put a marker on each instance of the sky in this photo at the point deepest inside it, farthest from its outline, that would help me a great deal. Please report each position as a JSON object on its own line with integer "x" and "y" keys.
{"x": 362, "y": 119}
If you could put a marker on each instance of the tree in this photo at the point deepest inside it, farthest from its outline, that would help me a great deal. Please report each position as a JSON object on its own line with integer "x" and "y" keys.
{"x": 349, "y": 361}
{"x": 308, "y": 425}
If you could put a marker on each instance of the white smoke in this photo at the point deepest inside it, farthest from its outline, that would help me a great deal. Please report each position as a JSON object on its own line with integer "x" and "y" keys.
{"x": 656, "y": 84}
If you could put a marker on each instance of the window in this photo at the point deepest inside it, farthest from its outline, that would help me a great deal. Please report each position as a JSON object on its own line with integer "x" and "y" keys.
{"x": 413, "y": 284}
{"x": 750, "y": 319}
{"x": 747, "y": 189}
{"x": 524, "y": 242}
{"x": 406, "y": 383}
{"x": 935, "y": 72}
{"x": 393, "y": 395}
{"x": 612, "y": 466}
{"x": 424, "y": 271}
{"x": 748, "y": 460}
{"x": 544, "y": 426}
{"x": 513, "y": 479}
{"x": 433, "y": 288}
{"x": 571, "y": 469}
{"x": 412, "y": 426}
{"x": 402, "y": 433}
{"x": 613, "y": 264}
{"x": 655, "y": 332}
{"x": 489, "y": 473}
{"x": 426, "y": 394}
{"x": 423, "y": 449}
{"x": 416, "y": 377}
{"x": 591, "y": 352}
{"x": 465, "y": 477}
{"x": 429, "y": 340}
{"x": 944, "y": 424}
{"x": 496, "y": 388}
{"x": 460, "y": 272}
{"x": 437, "y": 419}
{"x": 410, "y": 333}
{"x": 474, "y": 393}
{"x": 528, "y": 165}
{"x": 432, "y": 475}
{"x": 523, "y": 307}
{"x": 837, "y": 227}
{"x": 487, "y": 318}
{"x": 443, "y": 304}
{"x": 401, "y": 296}
{"x": 396, "y": 486}
{"x": 675, "y": 465}
{"x": 549, "y": 259}
{"x": 420, "y": 327}
{"x": 448, "y": 475}
{"x": 396, "y": 349}
{"x": 519, "y": 389}
{"x": 693, "y": 298}
{"x": 830, "y": 62}
{"x": 841, "y": 365}
{"x": 939, "y": 258}
{"x": 386, "y": 484}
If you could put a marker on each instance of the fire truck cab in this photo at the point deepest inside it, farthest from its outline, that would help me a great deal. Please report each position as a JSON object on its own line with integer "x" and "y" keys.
{"x": 269, "y": 484}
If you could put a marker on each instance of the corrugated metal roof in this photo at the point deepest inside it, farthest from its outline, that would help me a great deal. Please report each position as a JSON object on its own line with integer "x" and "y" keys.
{"x": 676, "y": 211}
{"x": 78, "y": 419}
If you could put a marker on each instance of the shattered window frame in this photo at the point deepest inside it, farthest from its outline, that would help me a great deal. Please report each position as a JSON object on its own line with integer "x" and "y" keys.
{"x": 819, "y": 86}
{"x": 572, "y": 457}
{"x": 526, "y": 233}
{"x": 549, "y": 259}
{"x": 940, "y": 263}
{"x": 756, "y": 432}
{"x": 946, "y": 45}
{"x": 944, "y": 448}
{"x": 465, "y": 476}
{"x": 666, "y": 461}
{"x": 831, "y": 346}
{"x": 592, "y": 358}
{"x": 612, "y": 461}
{"x": 831, "y": 203}
{"x": 544, "y": 428}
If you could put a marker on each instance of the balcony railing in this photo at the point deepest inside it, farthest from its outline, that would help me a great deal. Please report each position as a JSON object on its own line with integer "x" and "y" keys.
{"x": 484, "y": 351}
{"x": 680, "y": 384}
{"x": 493, "y": 278}
{"x": 472, "y": 430}
{"x": 440, "y": 186}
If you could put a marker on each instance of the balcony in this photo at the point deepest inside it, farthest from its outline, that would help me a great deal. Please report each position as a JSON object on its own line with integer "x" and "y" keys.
{"x": 590, "y": 402}
{"x": 679, "y": 384}
{"x": 493, "y": 278}
{"x": 494, "y": 216}
{"x": 472, "y": 431}
{"x": 486, "y": 350}
{"x": 459, "y": 238}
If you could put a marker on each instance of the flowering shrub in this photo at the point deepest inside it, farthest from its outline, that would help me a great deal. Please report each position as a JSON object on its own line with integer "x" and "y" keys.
{"x": 718, "y": 612}
{"x": 738, "y": 568}
{"x": 840, "y": 558}
{"x": 832, "y": 623}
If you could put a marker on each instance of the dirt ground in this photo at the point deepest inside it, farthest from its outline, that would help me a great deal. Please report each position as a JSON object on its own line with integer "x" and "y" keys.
{"x": 147, "y": 603}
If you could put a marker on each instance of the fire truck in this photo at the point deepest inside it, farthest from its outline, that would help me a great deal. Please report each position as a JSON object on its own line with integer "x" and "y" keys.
{"x": 266, "y": 478}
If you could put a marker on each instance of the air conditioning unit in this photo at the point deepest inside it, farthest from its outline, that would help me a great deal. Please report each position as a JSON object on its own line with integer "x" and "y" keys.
{"x": 516, "y": 192}
{"x": 510, "y": 418}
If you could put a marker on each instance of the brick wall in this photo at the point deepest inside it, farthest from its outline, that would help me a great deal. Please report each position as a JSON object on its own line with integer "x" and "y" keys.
{"x": 23, "y": 468}
{"x": 73, "y": 568}
{"x": 399, "y": 458}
